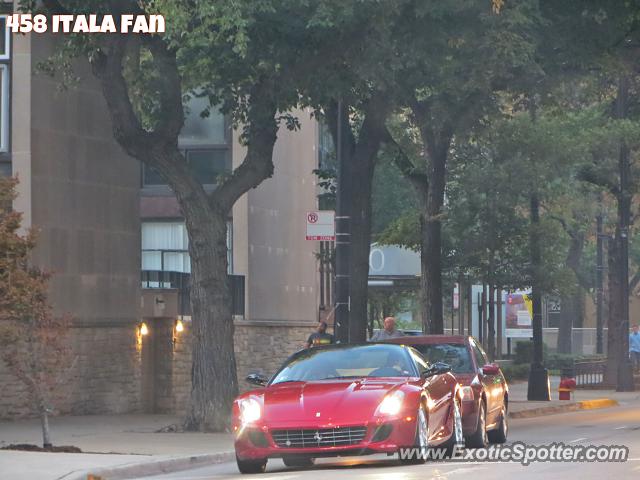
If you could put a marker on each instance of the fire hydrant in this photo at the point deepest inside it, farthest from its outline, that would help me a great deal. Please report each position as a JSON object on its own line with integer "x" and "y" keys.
{"x": 567, "y": 385}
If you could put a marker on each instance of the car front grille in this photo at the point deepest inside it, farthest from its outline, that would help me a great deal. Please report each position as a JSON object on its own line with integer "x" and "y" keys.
{"x": 323, "y": 437}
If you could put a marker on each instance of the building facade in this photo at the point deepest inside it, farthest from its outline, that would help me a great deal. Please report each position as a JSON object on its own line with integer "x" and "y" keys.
{"x": 105, "y": 223}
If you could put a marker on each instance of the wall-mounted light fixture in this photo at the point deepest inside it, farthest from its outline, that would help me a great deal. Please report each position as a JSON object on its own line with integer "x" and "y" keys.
{"x": 178, "y": 327}
{"x": 141, "y": 331}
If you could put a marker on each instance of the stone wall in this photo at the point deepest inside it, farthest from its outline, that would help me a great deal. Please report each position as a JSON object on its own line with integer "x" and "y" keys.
{"x": 115, "y": 374}
{"x": 259, "y": 348}
{"x": 105, "y": 377}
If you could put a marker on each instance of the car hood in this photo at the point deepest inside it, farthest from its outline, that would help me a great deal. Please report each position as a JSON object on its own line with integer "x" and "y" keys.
{"x": 352, "y": 401}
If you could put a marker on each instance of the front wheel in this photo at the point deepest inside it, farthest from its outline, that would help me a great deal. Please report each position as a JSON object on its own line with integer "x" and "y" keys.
{"x": 251, "y": 466}
{"x": 298, "y": 461}
{"x": 418, "y": 453}
{"x": 457, "y": 437}
{"x": 499, "y": 435}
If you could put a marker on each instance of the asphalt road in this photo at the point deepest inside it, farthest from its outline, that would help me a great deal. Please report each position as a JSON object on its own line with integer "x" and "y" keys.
{"x": 611, "y": 426}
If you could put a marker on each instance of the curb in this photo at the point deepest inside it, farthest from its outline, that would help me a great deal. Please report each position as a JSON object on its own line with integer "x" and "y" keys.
{"x": 569, "y": 407}
{"x": 156, "y": 467}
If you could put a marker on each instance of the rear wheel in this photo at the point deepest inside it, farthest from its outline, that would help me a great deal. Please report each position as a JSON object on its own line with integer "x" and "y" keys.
{"x": 251, "y": 466}
{"x": 499, "y": 435}
{"x": 298, "y": 461}
{"x": 478, "y": 439}
{"x": 421, "y": 441}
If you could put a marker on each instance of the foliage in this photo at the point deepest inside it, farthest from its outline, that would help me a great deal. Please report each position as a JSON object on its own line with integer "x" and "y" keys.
{"x": 34, "y": 342}
{"x": 392, "y": 197}
{"x": 518, "y": 371}
{"x": 524, "y": 352}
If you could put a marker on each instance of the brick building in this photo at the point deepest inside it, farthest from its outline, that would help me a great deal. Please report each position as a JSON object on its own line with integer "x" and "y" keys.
{"x": 106, "y": 223}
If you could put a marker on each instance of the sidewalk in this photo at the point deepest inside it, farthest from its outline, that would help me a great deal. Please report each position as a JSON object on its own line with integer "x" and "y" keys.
{"x": 520, "y": 407}
{"x": 125, "y": 446}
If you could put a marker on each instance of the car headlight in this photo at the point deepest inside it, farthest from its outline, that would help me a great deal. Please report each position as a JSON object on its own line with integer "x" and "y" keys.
{"x": 249, "y": 410}
{"x": 392, "y": 403}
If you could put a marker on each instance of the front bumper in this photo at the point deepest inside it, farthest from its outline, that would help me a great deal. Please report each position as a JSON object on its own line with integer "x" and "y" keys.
{"x": 382, "y": 436}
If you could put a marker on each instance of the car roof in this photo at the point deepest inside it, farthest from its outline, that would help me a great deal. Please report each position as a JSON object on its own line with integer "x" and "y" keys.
{"x": 429, "y": 339}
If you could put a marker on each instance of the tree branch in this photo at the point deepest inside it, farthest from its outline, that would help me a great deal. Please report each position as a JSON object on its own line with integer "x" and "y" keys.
{"x": 127, "y": 129}
{"x": 260, "y": 134}
{"x": 171, "y": 115}
{"x": 418, "y": 179}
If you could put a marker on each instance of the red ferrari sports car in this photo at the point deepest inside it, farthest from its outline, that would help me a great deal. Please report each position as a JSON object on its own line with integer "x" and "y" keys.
{"x": 483, "y": 388}
{"x": 347, "y": 400}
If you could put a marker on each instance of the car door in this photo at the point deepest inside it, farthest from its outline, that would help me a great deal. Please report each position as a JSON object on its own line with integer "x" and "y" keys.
{"x": 439, "y": 392}
{"x": 493, "y": 385}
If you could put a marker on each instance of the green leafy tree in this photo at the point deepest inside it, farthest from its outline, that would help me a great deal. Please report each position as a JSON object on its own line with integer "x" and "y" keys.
{"x": 467, "y": 53}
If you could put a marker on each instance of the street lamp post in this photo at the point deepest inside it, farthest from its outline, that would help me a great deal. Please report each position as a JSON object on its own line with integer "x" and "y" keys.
{"x": 599, "y": 280}
{"x": 343, "y": 238}
{"x": 538, "y": 388}
{"x": 625, "y": 372}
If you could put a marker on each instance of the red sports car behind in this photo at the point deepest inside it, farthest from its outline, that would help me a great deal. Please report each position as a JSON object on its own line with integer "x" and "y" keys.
{"x": 346, "y": 400}
{"x": 483, "y": 388}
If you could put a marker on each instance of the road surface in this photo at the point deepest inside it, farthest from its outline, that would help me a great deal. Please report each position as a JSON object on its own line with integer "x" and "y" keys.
{"x": 611, "y": 426}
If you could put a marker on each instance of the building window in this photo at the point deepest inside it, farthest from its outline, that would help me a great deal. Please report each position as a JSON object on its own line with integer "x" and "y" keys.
{"x": 4, "y": 107}
{"x": 205, "y": 143}
{"x": 5, "y": 99}
{"x": 5, "y": 39}
{"x": 165, "y": 247}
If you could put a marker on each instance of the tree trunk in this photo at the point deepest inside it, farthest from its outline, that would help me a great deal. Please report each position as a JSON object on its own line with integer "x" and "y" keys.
{"x": 437, "y": 150}
{"x": 46, "y": 435}
{"x": 360, "y": 155}
{"x": 430, "y": 186}
{"x": 571, "y": 304}
{"x": 364, "y": 158}
{"x": 213, "y": 378}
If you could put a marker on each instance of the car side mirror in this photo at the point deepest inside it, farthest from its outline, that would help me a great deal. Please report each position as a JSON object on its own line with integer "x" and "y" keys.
{"x": 491, "y": 369}
{"x": 437, "y": 368}
{"x": 257, "y": 379}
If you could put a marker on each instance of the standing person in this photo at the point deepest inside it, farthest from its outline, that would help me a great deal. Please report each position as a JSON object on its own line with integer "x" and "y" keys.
{"x": 634, "y": 348}
{"x": 389, "y": 331}
{"x": 319, "y": 337}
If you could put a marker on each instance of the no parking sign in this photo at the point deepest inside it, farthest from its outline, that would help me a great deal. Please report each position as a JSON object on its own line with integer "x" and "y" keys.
{"x": 321, "y": 225}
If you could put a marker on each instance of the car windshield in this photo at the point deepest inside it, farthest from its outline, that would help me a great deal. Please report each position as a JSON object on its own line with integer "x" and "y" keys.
{"x": 454, "y": 354}
{"x": 356, "y": 361}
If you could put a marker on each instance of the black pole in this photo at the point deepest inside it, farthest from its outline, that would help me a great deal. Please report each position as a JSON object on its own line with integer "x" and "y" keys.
{"x": 538, "y": 388}
{"x": 480, "y": 317}
{"x": 599, "y": 280}
{"x": 625, "y": 372}
{"x": 343, "y": 238}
